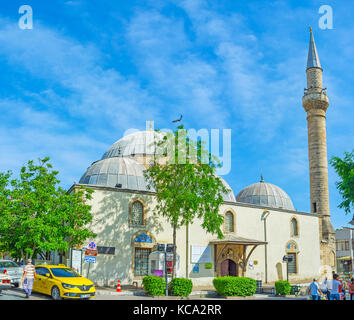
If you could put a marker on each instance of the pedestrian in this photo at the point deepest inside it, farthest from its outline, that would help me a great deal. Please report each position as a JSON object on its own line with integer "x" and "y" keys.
{"x": 351, "y": 288}
{"x": 335, "y": 295}
{"x": 343, "y": 288}
{"x": 28, "y": 277}
{"x": 314, "y": 290}
{"x": 325, "y": 289}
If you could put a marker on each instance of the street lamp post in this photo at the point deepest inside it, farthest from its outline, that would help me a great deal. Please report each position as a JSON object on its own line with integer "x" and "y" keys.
{"x": 166, "y": 279}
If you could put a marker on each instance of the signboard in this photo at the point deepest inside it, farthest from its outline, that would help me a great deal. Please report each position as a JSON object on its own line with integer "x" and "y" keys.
{"x": 90, "y": 259}
{"x": 201, "y": 254}
{"x": 76, "y": 260}
{"x": 288, "y": 258}
{"x": 143, "y": 237}
{"x": 196, "y": 268}
{"x": 91, "y": 253}
{"x": 106, "y": 250}
{"x": 158, "y": 273}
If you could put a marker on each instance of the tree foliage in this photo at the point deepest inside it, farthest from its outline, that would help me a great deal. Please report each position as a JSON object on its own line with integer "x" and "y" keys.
{"x": 345, "y": 169}
{"x": 183, "y": 177}
{"x": 36, "y": 215}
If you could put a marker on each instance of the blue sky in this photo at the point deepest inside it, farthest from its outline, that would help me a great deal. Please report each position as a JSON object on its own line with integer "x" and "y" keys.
{"x": 89, "y": 70}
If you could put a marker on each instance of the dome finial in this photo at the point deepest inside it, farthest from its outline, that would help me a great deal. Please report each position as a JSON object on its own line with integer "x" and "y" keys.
{"x": 262, "y": 178}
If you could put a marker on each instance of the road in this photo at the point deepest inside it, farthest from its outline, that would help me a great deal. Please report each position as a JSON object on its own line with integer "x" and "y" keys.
{"x": 18, "y": 294}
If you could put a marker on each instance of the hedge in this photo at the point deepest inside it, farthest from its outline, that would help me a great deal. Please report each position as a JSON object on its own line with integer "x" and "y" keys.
{"x": 181, "y": 287}
{"x": 282, "y": 287}
{"x": 154, "y": 286}
{"x": 235, "y": 286}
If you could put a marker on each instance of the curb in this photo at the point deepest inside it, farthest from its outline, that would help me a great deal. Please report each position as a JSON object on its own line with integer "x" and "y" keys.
{"x": 124, "y": 293}
{"x": 141, "y": 293}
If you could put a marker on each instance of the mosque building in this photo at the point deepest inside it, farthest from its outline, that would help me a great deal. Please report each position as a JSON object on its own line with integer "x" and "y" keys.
{"x": 260, "y": 226}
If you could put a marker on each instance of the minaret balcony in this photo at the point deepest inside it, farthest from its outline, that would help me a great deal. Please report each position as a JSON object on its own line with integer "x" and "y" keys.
{"x": 315, "y": 100}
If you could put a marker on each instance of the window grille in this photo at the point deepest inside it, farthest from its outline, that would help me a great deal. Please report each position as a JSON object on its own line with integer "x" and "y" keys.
{"x": 137, "y": 213}
{"x": 141, "y": 261}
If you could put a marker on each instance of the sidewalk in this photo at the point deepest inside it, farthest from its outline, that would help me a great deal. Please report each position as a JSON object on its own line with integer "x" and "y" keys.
{"x": 197, "y": 293}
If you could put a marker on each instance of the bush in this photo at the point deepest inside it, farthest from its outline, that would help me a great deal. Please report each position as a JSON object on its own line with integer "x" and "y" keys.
{"x": 154, "y": 286}
{"x": 235, "y": 286}
{"x": 181, "y": 287}
{"x": 208, "y": 266}
{"x": 282, "y": 287}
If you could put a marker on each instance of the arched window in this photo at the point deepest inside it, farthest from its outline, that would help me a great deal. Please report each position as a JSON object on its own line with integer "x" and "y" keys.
{"x": 137, "y": 213}
{"x": 229, "y": 222}
{"x": 294, "y": 227}
{"x": 292, "y": 250}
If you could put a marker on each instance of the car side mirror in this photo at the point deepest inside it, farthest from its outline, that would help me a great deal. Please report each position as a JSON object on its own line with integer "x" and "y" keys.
{"x": 47, "y": 275}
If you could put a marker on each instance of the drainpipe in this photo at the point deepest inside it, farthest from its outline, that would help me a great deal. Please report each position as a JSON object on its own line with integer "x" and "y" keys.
{"x": 264, "y": 217}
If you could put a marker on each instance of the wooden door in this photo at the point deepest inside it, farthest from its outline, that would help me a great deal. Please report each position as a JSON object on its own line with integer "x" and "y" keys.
{"x": 228, "y": 268}
{"x": 232, "y": 268}
{"x": 225, "y": 268}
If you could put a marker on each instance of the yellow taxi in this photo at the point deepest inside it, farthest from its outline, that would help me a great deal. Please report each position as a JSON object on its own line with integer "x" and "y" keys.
{"x": 60, "y": 282}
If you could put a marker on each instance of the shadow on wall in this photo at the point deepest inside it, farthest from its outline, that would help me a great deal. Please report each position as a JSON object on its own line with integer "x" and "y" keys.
{"x": 202, "y": 272}
{"x": 111, "y": 224}
{"x": 279, "y": 268}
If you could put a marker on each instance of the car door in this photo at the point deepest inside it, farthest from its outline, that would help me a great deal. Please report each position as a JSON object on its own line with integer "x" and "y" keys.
{"x": 46, "y": 281}
{"x": 38, "y": 280}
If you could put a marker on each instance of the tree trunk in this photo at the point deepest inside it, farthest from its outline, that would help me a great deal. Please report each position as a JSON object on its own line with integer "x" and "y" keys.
{"x": 174, "y": 251}
{"x": 22, "y": 256}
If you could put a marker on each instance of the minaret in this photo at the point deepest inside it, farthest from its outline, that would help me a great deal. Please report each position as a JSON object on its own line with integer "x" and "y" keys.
{"x": 315, "y": 102}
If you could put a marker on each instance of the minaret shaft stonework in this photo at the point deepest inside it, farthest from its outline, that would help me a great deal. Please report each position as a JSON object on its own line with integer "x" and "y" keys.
{"x": 315, "y": 103}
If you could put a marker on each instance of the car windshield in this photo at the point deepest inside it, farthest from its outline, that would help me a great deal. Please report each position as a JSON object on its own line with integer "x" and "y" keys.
{"x": 64, "y": 273}
{"x": 8, "y": 264}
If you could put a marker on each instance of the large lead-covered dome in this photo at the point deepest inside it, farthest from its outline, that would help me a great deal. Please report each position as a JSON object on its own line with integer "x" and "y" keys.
{"x": 121, "y": 165}
{"x": 265, "y": 194}
{"x": 137, "y": 143}
{"x": 229, "y": 196}
{"x": 115, "y": 171}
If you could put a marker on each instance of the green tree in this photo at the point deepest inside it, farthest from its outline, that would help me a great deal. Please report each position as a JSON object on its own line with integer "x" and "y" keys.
{"x": 36, "y": 215}
{"x": 345, "y": 169}
{"x": 183, "y": 177}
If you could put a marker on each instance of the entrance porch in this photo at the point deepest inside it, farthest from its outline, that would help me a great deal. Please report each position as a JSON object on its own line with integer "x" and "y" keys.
{"x": 231, "y": 255}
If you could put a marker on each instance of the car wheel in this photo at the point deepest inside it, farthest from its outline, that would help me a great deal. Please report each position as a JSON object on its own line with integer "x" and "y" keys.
{"x": 56, "y": 293}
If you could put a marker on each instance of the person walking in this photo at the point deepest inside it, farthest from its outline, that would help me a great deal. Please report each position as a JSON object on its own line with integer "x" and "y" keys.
{"x": 314, "y": 290}
{"x": 351, "y": 288}
{"x": 343, "y": 288}
{"x": 325, "y": 289}
{"x": 29, "y": 273}
{"x": 335, "y": 295}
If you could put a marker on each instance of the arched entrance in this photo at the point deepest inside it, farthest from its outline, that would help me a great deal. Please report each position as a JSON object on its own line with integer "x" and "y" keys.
{"x": 229, "y": 268}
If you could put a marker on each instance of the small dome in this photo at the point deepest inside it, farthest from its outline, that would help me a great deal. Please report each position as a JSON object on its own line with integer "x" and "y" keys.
{"x": 112, "y": 171}
{"x": 265, "y": 194}
{"x": 137, "y": 143}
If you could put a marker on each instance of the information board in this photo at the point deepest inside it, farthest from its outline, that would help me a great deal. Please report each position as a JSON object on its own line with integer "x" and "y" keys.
{"x": 76, "y": 260}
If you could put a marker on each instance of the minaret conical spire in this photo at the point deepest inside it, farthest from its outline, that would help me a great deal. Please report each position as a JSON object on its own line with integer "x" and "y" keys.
{"x": 312, "y": 59}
